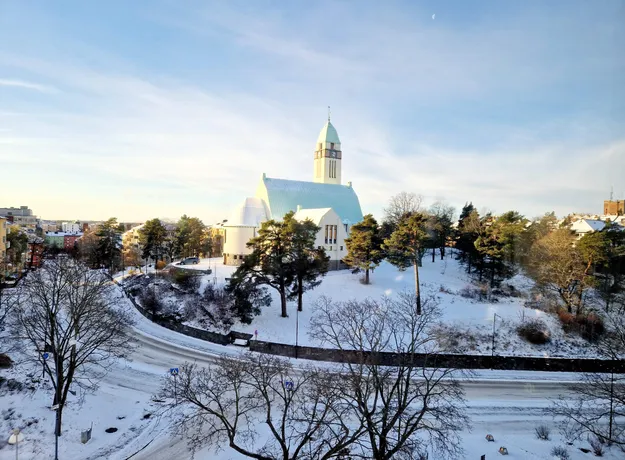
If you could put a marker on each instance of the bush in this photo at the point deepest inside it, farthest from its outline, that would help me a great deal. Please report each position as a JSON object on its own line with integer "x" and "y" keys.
{"x": 597, "y": 446}
{"x": 5, "y": 361}
{"x": 590, "y": 325}
{"x": 160, "y": 264}
{"x": 186, "y": 280}
{"x": 534, "y": 331}
{"x": 542, "y": 432}
{"x": 561, "y": 453}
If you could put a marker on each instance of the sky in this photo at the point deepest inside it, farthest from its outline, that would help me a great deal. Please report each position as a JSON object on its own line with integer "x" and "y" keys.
{"x": 169, "y": 107}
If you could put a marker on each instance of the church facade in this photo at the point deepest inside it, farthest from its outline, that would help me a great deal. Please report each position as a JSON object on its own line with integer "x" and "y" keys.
{"x": 332, "y": 206}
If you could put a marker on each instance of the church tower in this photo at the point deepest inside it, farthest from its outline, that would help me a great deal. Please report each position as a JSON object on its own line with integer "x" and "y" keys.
{"x": 328, "y": 156}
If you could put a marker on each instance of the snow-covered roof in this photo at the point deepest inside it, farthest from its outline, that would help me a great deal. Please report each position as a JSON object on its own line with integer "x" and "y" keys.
{"x": 312, "y": 214}
{"x": 63, "y": 233}
{"x": 249, "y": 214}
{"x": 587, "y": 225}
{"x": 285, "y": 195}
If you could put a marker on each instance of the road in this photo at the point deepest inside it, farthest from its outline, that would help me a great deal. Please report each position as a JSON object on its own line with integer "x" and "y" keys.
{"x": 514, "y": 399}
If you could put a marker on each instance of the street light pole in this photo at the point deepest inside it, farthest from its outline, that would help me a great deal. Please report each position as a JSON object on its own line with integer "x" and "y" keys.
{"x": 495, "y": 315}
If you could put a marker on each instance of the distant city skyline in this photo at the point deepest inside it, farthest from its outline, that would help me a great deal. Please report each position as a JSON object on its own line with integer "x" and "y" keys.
{"x": 135, "y": 110}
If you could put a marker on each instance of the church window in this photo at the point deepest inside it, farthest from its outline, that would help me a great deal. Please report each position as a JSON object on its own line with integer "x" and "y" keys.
{"x": 345, "y": 227}
{"x": 332, "y": 145}
{"x": 341, "y": 248}
{"x": 330, "y": 248}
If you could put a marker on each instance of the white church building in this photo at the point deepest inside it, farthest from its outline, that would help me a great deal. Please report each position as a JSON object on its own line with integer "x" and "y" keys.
{"x": 330, "y": 205}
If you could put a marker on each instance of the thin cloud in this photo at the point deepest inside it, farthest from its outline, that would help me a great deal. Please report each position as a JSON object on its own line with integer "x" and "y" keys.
{"x": 28, "y": 85}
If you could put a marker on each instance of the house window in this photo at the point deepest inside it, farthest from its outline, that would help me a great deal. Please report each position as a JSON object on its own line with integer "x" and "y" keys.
{"x": 330, "y": 248}
{"x": 235, "y": 257}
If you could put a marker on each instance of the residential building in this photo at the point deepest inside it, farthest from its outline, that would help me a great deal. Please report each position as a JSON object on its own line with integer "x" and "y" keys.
{"x": 3, "y": 239}
{"x": 62, "y": 240}
{"x": 585, "y": 226}
{"x": 70, "y": 227}
{"x": 22, "y": 216}
{"x": 34, "y": 255}
{"x": 611, "y": 207}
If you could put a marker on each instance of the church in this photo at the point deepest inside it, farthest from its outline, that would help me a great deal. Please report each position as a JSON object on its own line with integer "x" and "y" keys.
{"x": 332, "y": 206}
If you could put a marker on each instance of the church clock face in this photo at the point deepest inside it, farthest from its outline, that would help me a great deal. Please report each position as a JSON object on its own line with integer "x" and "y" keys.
{"x": 333, "y": 154}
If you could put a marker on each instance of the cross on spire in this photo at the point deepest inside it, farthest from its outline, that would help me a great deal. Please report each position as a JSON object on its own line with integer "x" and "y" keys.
{"x": 328, "y": 113}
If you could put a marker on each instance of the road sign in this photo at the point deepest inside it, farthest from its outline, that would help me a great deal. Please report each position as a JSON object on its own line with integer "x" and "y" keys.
{"x": 289, "y": 385}
{"x": 45, "y": 355}
{"x": 174, "y": 371}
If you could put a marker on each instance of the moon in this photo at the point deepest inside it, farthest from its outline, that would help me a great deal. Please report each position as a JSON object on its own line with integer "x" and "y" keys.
{"x": 434, "y": 16}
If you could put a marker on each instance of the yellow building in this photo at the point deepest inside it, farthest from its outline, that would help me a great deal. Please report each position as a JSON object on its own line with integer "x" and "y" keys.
{"x": 3, "y": 239}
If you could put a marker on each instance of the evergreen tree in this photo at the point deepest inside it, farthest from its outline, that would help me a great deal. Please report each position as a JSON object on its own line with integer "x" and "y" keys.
{"x": 190, "y": 236}
{"x": 109, "y": 245}
{"x": 364, "y": 246}
{"x": 405, "y": 246}
{"x": 269, "y": 262}
{"x": 308, "y": 263}
{"x": 469, "y": 227}
{"x": 441, "y": 226}
{"x": 152, "y": 238}
{"x": 247, "y": 297}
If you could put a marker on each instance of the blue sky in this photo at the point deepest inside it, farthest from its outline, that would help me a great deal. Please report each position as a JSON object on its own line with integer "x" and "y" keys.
{"x": 143, "y": 109}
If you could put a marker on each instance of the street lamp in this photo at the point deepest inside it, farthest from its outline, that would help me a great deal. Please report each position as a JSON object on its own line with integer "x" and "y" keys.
{"x": 495, "y": 315}
{"x": 15, "y": 438}
{"x": 296, "y": 330}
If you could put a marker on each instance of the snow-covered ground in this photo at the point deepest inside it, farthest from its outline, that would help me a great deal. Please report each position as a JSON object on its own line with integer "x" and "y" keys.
{"x": 507, "y": 404}
{"x": 468, "y": 322}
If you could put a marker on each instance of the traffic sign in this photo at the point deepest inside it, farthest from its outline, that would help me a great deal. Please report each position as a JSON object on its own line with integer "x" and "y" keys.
{"x": 45, "y": 355}
{"x": 174, "y": 371}
{"x": 289, "y": 385}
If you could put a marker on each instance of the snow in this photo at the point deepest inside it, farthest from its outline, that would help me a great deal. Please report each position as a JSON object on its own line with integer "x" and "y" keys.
{"x": 507, "y": 404}
{"x": 467, "y": 321}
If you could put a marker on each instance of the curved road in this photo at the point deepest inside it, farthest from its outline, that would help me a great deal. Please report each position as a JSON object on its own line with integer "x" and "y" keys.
{"x": 493, "y": 397}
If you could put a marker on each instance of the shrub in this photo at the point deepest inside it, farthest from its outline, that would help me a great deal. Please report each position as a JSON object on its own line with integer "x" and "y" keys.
{"x": 560, "y": 452}
{"x": 186, "y": 280}
{"x": 597, "y": 446}
{"x": 534, "y": 331}
{"x": 542, "y": 432}
{"x": 5, "y": 361}
{"x": 590, "y": 326}
{"x": 160, "y": 264}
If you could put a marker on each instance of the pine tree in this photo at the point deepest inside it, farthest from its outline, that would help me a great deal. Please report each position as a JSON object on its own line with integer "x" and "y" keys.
{"x": 269, "y": 262}
{"x": 405, "y": 246}
{"x": 109, "y": 246}
{"x": 308, "y": 263}
{"x": 152, "y": 238}
{"x": 469, "y": 226}
{"x": 364, "y": 246}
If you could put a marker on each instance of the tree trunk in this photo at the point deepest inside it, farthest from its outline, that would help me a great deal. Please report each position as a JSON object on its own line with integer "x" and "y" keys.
{"x": 283, "y": 301}
{"x": 417, "y": 290}
{"x": 442, "y": 249}
{"x": 433, "y": 254}
{"x": 59, "y": 417}
{"x": 366, "y": 276}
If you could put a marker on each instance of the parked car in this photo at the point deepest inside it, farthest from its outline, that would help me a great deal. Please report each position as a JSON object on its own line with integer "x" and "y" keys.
{"x": 190, "y": 261}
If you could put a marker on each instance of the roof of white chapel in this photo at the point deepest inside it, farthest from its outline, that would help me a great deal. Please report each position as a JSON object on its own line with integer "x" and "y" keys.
{"x": 284, "y": 195}
{"x": 311, "y": 214}
{"x": 328, "y": 134}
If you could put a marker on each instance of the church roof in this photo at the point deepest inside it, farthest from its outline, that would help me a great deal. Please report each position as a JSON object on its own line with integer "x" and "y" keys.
{"x": 284, "y": 195}
{"x": 250, "y": 213}
{"x": 312, "y": 214}
{"x": 328, "y": 134}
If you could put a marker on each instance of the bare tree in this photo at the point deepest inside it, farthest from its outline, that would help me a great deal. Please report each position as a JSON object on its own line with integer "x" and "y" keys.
{"x": 8, "y": 303}
{"x": 596, "y": 405}
{"x": 232, "y": 398}
{"x": 409, "y": 409}
{"x": 401, "y": 204}
{"x": 67, "y": 311}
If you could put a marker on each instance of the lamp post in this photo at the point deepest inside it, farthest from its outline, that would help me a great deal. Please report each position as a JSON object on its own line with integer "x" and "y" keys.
{"x": 495, "y": 315}
{"x": 15, "y": 438}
